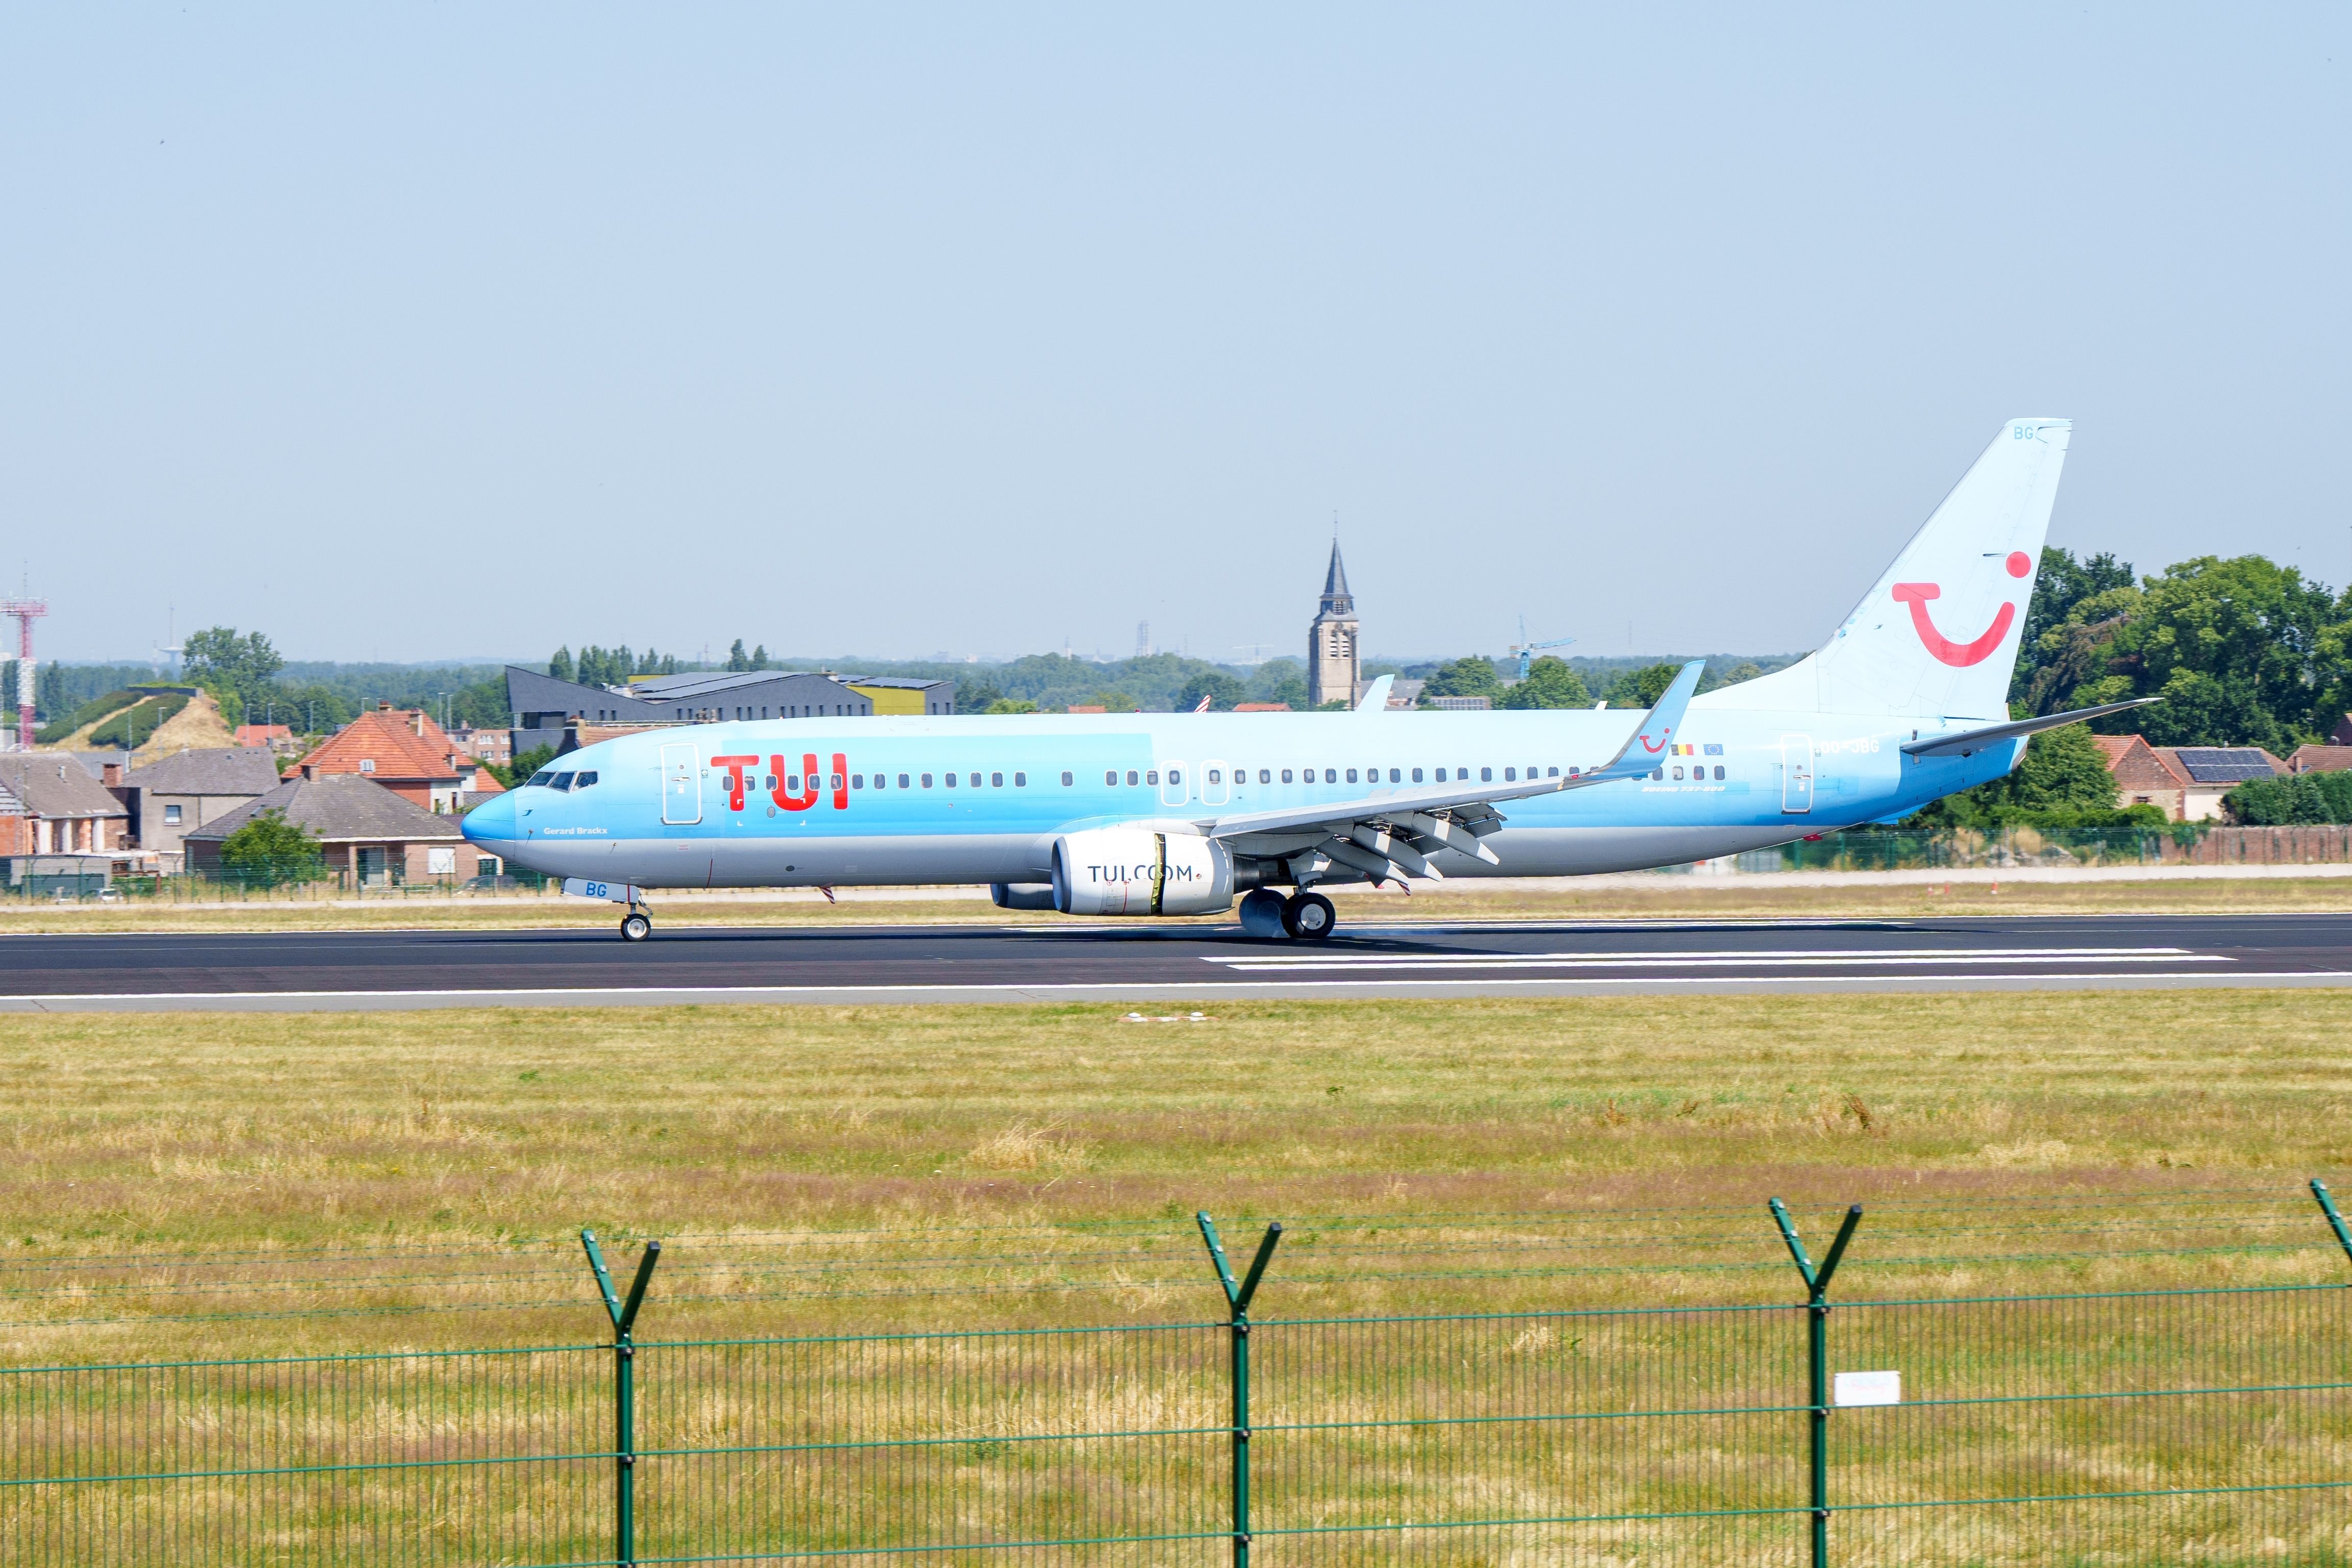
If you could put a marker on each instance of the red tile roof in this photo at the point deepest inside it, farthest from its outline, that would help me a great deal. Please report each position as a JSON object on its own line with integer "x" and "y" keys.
{"x": 402, "y": 745}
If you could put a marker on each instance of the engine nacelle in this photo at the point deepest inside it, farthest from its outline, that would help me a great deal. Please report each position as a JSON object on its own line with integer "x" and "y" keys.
{"x": 1134, "y": 871}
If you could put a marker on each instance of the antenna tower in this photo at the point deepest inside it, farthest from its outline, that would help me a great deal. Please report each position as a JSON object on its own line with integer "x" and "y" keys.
{"x": 27, "y": 611}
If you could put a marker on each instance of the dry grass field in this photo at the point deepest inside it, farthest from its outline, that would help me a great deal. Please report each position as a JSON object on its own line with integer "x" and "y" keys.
{"x": 198, "y": 1187}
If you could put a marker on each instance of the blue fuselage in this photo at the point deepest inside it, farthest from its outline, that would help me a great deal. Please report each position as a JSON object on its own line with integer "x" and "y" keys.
{"x": 807, "y": 802}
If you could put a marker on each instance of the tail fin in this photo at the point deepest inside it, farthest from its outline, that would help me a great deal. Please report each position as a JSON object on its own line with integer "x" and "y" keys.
{"x": 1938, "y": 634}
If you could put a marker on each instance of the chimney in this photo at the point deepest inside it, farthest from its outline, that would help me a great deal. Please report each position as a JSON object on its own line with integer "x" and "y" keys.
{"x": 383, "y": 705}
{"x": 111, "y": 775}
{"x": 416, "y": 722}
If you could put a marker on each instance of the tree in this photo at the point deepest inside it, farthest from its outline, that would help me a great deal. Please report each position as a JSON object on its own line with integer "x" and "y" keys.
{"x": 559, "y": 667}
{"x": 760, "y": 657}
{"x": 2236, "y": 647}
{"x": 737, "y": 658}
{"x": 519, "y": 770}
{"x": 1012, "y": 705}
{"x": 977, "y": 698}
{"x": 1550, "y": 683}
{"x": 1471, "y": 677}
{"x": 1222, "y": 690}
{"x": 2060, "y": 585}
{"x": 238, "y": 671}
{"x": 2301, "y": 798}
{"x": 269, "y": 850}
{"x": 1641, "y": 688}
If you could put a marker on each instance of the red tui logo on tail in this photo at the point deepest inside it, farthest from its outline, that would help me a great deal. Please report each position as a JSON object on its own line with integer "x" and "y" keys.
{"x": 1959, "y": 654}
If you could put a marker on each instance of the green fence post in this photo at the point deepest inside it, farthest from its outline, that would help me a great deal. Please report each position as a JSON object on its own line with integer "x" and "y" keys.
{"x": 2335, "y": 1220}
{"x": 1817, "y": 1363}
{"x": 625, "y": 1390}
{"x": 1237, "y": 1300}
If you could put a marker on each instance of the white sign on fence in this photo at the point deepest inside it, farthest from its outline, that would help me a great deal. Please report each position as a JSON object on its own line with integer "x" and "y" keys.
{"x": 1867, "y": 1388}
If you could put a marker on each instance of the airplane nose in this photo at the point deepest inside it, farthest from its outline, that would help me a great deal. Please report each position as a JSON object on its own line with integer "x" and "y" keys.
{"x": 492, "y": 822}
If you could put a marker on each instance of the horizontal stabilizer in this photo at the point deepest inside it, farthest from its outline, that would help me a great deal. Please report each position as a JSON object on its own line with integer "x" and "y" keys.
{"x": 1970, "y": 741}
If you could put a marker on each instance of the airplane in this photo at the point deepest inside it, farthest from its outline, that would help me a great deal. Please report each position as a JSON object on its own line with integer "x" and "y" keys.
{"x": 1147, "y": 814}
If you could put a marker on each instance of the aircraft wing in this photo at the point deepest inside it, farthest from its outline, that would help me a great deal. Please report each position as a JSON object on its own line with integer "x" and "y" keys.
{"x": 1970, "y": 741}
{"x": 1391, "y": 834}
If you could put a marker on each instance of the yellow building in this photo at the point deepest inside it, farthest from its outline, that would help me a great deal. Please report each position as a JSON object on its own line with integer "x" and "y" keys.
{"x": 893, "y": 694}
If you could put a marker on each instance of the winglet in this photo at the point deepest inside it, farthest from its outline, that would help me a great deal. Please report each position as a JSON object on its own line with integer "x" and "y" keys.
{"x": 1656, "y": 733}
{"x": 1376, "y": 695}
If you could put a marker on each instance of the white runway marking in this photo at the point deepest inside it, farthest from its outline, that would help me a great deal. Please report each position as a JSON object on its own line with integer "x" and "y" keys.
{"x": 1255, "y": 963}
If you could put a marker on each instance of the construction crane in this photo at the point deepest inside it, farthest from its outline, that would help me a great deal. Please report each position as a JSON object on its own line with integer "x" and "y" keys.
{"x": 1527, "y": 650}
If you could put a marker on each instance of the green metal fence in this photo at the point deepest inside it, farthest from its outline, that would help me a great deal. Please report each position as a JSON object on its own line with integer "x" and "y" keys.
{"x": 2205, "y": 1423}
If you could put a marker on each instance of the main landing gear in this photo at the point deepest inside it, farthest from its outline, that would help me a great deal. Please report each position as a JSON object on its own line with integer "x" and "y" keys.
{"x": 1305, "y": 917}
{"x": 635, "y": 927}
{"x": 1309, "y": 917}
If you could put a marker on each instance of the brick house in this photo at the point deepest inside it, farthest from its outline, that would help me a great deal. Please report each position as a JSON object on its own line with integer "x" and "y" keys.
{"x": 402, "y": 749}
{"x": 2319, "y": 759}
{"x": 2212, "y": 772}
{"x": 373, "y": 836}
{"x": 49, "y": 805}
{"x": 2142, "y": 775}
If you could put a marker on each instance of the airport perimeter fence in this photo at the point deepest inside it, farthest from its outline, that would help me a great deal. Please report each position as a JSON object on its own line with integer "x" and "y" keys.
{"x": 2208, "y": 1423}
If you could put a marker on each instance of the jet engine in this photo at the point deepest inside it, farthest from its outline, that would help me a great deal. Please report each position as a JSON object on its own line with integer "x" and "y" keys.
{"x": 1134, "y": 871}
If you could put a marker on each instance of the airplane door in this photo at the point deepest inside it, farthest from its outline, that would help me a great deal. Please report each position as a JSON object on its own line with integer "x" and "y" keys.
{"x": 681, "y": 785}
{"x": 1795, "y": 773}
{"x": 1216, "y": 787}
{"x": 1171, "y": 783}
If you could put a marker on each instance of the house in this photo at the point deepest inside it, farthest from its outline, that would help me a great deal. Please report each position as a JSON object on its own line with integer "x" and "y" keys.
{"x": 402, "y": 749}
{"x": 49, "y": 805}
{"x": 1261, "y": 707}
{"x": 2142, "y": 776}
{"x": 171, "y": 794}
{"x": 2342, "y": 734}
{"x": 374, "y": 837}
{"x": 2209, "y": 773}
{"x": 485, "y": 745}
{"x": 277, "y": 738}
{"x": 2319, "y": 759}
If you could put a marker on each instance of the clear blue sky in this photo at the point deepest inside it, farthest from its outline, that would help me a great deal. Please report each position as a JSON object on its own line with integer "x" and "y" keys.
{"x": 406, "y": 333}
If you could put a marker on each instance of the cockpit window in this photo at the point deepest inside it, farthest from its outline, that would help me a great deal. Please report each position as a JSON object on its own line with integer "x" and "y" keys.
{"x": 584, "y": 781}
{"x": 544, "y": 776}
{"x": 560, "y": 781}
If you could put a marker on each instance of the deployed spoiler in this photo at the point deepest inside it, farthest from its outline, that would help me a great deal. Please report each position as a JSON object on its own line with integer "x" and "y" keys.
{"x": 1967, "y": 742}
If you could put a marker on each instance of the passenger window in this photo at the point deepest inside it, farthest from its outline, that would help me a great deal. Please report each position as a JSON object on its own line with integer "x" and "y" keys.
{"x": 1285, "y": 775}
{"x": 951, "y": 778}
{"x": 1440, "y": 776}
{"x": 1657, "y": 773}
{"x": 1067, "y": 781}
{"x": 1351, "y": 776}
{"x": 769, "y": 782}
{"x": 1718, "y": 770}
{"x": 1130, "y": 778}
{"x": 995, "y": 781}
{"x": 976, "y": 780}
{"x": 926, "y": 781}
{"x": 1217, "y": 775}
{"x": 1266, "y": 776}
{"x": 836, "y": 780}
{"x": 1111, "y": 778}
{"x": 1678, "y": 773}
{"x": 1416, "y": 774}
{"x": 1151, "y": 776}
{"x": 902, "y": 782}
{"x": 1020, "y": 780}
{"x": 1396, "y": 775}
{"x": 1510, "y": 775}
{"x": 1485, "y": 775}
{"x": 1331, "y": 775}
{"x": 1175, "y": 775}
{"x": 1553, "y": 772}
{"x": 858, "y": 781}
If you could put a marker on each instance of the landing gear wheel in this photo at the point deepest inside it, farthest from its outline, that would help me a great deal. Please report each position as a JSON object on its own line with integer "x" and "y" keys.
{"x": 1309, "y": 917}
{"x": 635, "y": 927}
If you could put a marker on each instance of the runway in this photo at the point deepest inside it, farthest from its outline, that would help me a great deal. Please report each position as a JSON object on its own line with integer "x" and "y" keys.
{"x": 1122, "y": 963}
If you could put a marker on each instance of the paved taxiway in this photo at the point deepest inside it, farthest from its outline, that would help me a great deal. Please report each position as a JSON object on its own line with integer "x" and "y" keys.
{"x": 362, "y": 970}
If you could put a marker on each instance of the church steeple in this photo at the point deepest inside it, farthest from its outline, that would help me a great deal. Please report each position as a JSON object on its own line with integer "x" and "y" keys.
{"x": 1334, "y": 669}
{"x": 1337, "y": 600}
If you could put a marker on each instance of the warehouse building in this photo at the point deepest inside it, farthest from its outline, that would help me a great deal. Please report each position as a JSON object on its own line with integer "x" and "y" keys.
{"x": 543, "y": 707}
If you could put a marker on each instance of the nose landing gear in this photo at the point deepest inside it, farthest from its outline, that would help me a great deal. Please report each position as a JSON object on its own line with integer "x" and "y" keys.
{"x": 635, "y": 927}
